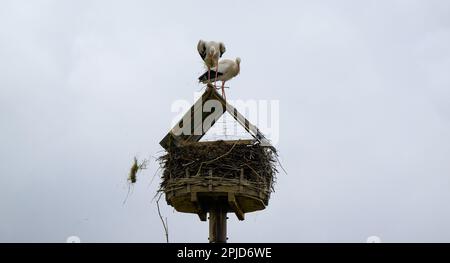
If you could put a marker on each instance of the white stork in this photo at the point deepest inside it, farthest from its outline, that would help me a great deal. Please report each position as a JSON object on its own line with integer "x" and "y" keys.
{"x": 226, "y": 70}
{"x": 210, "y": 51}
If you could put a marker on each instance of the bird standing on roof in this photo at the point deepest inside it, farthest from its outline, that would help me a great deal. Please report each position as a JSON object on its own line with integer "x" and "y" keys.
{"x": 226, "y": 70}
{"x": 210, "y": 51}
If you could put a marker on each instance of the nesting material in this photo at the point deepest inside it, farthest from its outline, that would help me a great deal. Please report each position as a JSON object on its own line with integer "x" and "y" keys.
{"x": 135, "y": 168}
{"x": 228, "y": 160}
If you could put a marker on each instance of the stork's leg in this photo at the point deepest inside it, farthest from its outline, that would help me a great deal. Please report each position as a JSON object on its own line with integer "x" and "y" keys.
{"x": 223, "y": 90}
{"x": 209, "y": 75}
{"x": 217, "y": 71}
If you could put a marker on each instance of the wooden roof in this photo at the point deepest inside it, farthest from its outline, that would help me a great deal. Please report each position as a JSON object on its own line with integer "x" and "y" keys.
{"x": 177, "y": 136}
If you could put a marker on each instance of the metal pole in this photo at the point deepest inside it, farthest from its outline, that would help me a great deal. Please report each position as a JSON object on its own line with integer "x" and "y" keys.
{"x": 218, "y": 225}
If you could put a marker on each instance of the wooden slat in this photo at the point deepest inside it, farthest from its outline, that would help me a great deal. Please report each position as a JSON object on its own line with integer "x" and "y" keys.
{"x": 194, "y": 199}
{"x": 188, "y": 186}
{"x": 235, "y": 206}
{"x": 229, "y": 142}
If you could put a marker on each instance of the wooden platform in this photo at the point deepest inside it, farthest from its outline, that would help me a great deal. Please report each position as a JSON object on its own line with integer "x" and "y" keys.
{"x": 198, "y": 194}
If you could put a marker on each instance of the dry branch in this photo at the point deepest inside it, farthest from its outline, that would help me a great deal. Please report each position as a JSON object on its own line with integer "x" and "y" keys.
{"x": 165, "y": 224}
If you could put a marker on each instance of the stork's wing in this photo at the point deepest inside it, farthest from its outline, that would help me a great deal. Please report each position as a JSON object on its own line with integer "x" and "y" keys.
{"x": 201, "y": 47}
{"x": 224, "y": 66}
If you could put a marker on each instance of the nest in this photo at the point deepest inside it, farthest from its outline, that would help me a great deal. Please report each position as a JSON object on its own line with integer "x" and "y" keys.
{"x": 228, "y": 160}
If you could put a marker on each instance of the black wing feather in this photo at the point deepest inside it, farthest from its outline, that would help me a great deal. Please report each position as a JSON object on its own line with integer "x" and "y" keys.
{"x": 203, "y": 54}
{"x": 204, "y": 76}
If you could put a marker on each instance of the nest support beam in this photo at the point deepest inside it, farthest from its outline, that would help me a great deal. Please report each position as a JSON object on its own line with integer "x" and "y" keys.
{"x": 235, "y": 206}
{"x": 200, "y": 212}
{"x": 218, "y": 224}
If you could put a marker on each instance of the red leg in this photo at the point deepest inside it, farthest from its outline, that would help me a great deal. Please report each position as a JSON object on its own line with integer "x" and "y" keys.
{"x": 209, "y": 75}
{"x": 217, "y": 70}
{"x": 223, "y": 90}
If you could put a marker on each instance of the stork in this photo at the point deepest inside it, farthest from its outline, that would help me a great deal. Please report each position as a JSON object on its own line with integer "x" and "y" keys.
{"x": 210, "y": 52}
{"x": 224, "y": 71}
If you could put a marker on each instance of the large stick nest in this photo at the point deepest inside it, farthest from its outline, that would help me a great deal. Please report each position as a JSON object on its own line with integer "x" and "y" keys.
{"x": 223, "y": 159}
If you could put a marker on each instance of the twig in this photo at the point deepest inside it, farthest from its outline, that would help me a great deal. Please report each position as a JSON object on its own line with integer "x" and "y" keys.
{"x": 165, "y": 225}
{"x": 253, "y": 170}
{"x": 276, "y": 156}
{"x": 189, "y": 163}
{"x": 213, "y": 160}
{"x": 128, "y": 193}
{"x": 154, "y": 175}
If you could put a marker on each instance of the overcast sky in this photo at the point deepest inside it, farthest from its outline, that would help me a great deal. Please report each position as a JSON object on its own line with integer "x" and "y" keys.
{"x": 364, "y": 93}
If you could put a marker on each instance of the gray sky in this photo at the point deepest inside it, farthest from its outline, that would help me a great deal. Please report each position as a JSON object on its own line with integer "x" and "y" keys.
{"x": 364, "y": 91}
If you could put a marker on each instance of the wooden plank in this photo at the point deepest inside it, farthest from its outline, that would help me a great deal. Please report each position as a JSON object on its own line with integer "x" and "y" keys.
{"x": 196, "y": 124}
{"x": 222, "y": 189}
{"x": 188, "y": 186}
{"x": 201, "y": 214}
{"x": 229, "y": 142}
{"x": 195, "y": 109}
{"x": 249, "y": 200}
{"x": 235, "y": 206}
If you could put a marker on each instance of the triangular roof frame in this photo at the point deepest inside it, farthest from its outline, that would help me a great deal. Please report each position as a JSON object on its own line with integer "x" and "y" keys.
{"x": 210, "y": 94}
